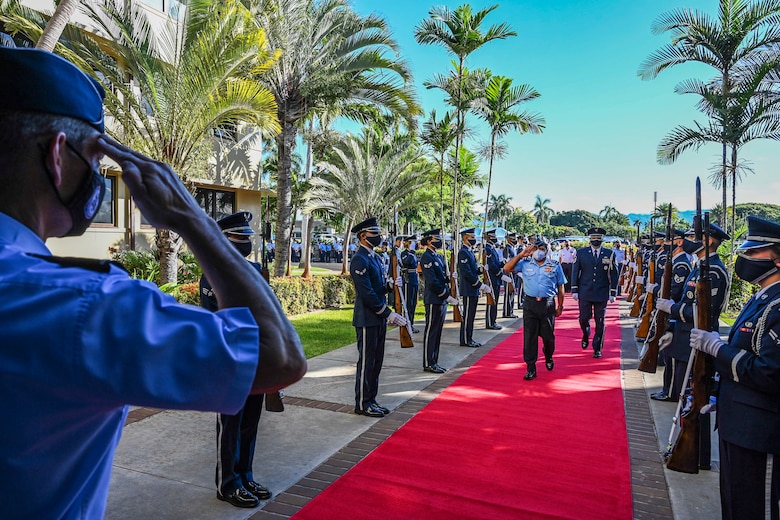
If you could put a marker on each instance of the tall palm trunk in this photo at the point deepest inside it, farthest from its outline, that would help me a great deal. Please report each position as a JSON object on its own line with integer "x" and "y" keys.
{"x": 345, "y": 256}
{"x": 55, "y": 26}
{"x": 285, "y": 143}
{"x": 168, "y": 245}
{"x": 306, "y": 259}
{"x": 733, "y": 201}
{"x": 490, "y": 179}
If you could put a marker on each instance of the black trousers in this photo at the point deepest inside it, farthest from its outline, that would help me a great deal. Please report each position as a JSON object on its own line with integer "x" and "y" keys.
{"x": 434, "y": 323}
{"x": 467, "y": 323}
{"x": 669, "y": 371}
{"x": 567, "y": 273}
{"x": 236, "y": 436}
{"x": 371, "y": 354}
{"x": 491, "y": 311}
{"x": 597, "y": 311}
{"x": 538, "y": 322}
{"x": 509, "y": 299}
{"x": 410, "y": 294}
{"x": 744, "y": 483}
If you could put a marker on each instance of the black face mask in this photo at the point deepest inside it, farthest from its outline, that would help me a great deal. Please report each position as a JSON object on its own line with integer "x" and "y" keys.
{"x": 244, "y": 248}
{"x": 595, "y": 243}
{"x": 436, "y": 244}
{"x": 692, "y": 247}
{"x": 374, "y": 241}
{"x": 753, "y": 270}
{"x": 471, "y": 241}
{"x": 491, "y": 241}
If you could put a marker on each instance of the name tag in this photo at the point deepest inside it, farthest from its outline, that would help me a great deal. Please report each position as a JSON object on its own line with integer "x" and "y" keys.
{"x": 548, "y": 269}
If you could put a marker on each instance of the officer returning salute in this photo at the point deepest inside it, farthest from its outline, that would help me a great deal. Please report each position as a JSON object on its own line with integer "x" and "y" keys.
{"x": 493, "y": 264}
{"x": 370, "y": 317}
{"x": 237, "y": 433}
{"x": 81, "y": 340}
{"x": 436, "y": 296}
{"x": 411, "y": 278}
{"x": 749, "y": 367}
{"x": 681, "y": 270}
{"x": 510, "y": 250}
{"x": 594, "y": 283}
{"x": 543, "y": 281}
{"x": 470, "y": 286}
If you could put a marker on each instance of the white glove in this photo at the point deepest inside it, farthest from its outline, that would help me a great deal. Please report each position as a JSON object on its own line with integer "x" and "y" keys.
{"x": 452, "y": 300}
{"x": 575, "y": 296}
{"x": 399, "y": 281}
{"x": 640, "y": 279}
{"x": 455, "y": 274}
{"x": 632, "y": 265}
{"x": 707, "y": 342}
{"x": 665, "y": 340}
{"x": 484, "y": 288}
{"x": 506, "y": 278}
{"x": 611, "y": 299}
{"x": 642, "y": 296}
{"x": 662, "y": 304}
{"x": 649, "y": 287}
{"x": 396, "y": 319}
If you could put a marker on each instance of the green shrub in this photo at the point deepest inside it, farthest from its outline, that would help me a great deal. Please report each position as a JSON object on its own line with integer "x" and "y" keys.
{"x": 338, "y": 290}
{"x": 184, "y": 293}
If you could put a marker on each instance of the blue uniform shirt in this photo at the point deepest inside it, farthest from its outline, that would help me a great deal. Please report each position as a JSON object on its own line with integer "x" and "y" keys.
{"x": 540, "y": 281}
{"x": 77, "y": 346}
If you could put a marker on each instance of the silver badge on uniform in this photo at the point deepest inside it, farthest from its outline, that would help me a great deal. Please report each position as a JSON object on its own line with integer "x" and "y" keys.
{"x": 678, "y": 279}
{"x": 689, "y": 295}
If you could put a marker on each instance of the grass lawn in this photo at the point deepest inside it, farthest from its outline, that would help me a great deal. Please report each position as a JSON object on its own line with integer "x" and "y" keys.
{"x": 326, "y": 330}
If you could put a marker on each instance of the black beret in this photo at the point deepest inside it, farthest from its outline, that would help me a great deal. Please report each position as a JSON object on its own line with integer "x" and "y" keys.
{"x": 761, "y": 233}
{"x": 39, "y": 81}
{"x": 237, "y": 223}
{"x": 370, "y": 224}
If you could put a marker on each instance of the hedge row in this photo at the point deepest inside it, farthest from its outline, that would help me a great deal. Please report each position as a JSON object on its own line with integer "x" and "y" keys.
{"x": 295, "y": 294}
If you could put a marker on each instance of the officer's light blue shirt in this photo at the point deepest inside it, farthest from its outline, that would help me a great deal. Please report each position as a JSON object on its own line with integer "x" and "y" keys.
{"x": 540, "y": 281}
{"x": 76, "y": 347}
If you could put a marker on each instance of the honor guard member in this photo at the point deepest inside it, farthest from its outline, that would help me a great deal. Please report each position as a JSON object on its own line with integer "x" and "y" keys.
{"x": 749, "y": 368}
{"x": 683, "y": 313}
{"x": 237, "y": 433}
{"x": 370, "y": 317}
{"x": 470, "y": 286}
{"x": 409, "y": 265}
{"x": 594, "y": 283}
{"x": 543, "y": 280}
{"x": 81, "y": 340}
{"x": 436, "y": 296}
{"x": 510, "y": 250}
{"x": 493, "y": 265}
{"x": 681, "y": 269}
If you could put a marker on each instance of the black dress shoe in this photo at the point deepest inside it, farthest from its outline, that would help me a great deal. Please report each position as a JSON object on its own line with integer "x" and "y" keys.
{"x": 416, "y": 331}
{"x": 440, "y": 368}
{"x": 258, "y": 490}
{"x": 495, "y": 326}
{"x": 379, "y": 407}
{"x": 509, "y": 316}
{"x": 597, "y": 354}
{"x": 659, "y": 396}
{"x": 584, "y": 342}
{"x": 531, "y": 374}
{"x": 239, "y": 498}
{"x": 550, "y": 364}
{"x": 473, "y": 344}
{"x": 369, "y": 412}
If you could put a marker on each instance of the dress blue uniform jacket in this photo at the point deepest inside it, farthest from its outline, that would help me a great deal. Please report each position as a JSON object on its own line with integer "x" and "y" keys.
{"x": 435, "y": 275}
{"x": 749, "y": 366}
{"x": 468, "y": 272}
{"x": 683, "y": 311}
{"x": 594, "y": 279}
{"x": 493, "y": 261}
{"x": 80, "y": 343}
{"x": 409, "y": 264}
{"x": 681, "y": 270}
{"x": 371, "y": 290}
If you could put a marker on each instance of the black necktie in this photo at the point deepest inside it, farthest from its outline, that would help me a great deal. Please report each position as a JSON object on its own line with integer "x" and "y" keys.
{"x": 595, "y": 253}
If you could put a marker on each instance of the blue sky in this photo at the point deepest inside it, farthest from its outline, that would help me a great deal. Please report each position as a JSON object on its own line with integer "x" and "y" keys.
{"x": 603, "y": 122}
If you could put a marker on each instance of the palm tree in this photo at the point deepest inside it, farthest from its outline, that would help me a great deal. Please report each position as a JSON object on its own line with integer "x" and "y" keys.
{"x": 500, "y": 208}
{"x": 167, "y": 108}
{"x": 542, "y": 211}
{"x": 439, "y": 137}
{"x": 329, "y": 56}
{"x": 368, "y": 175}
{"x": 608, "y": 213}
{"x": 496, "y": 107}
{"x": 740, "y": 37}
{"x": 460, "y": 33}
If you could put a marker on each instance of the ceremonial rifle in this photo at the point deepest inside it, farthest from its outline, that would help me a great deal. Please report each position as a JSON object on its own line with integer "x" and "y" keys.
{"x": 684, "y": 455}
{"x": 649, "y": 362}
{"x": 273, "y": 400}
{"x": 454, "y": 289}
{"x": 486, "y": 274}
{"x": 638, "y": 287}
{"x": 405, "y": 332}
{"x": 644, "y": 325}
{"x": 631, "y": 291}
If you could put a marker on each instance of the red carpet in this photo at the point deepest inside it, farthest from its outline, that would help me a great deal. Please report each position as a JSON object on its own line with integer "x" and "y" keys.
{"x": 493, "y": 446}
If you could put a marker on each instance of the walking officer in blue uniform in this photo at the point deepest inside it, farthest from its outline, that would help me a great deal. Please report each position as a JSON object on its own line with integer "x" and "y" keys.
{"x": 409, "y": 265}
{"x": 594, "y": 283}
{"x": 493, "y": 264}
{"x": 543, "y": 281}
{"x": 370, "y": 317}
{"x": 470, "y": 286}
{"x": 237, "y": 433}
{"x": 436, "y": 296}
{"x": 749, "y": 368}
{"x": 510, "y": 250}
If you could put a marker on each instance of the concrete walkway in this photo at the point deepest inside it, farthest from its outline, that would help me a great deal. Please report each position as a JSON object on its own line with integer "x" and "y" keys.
{"x": 164, "y": 466}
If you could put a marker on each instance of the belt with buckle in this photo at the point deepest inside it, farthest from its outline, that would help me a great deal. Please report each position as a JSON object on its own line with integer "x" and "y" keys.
{"x": 544, "y": 299}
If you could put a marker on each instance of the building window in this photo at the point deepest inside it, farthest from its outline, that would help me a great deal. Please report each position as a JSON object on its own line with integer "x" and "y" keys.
{"x": 106, "y": 215}
{"x": 216, "y": 203}
{"x": 156, "y": 4}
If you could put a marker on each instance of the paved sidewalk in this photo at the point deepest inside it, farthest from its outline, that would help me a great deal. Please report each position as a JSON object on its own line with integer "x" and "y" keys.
{"x": 164, "y": 466}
